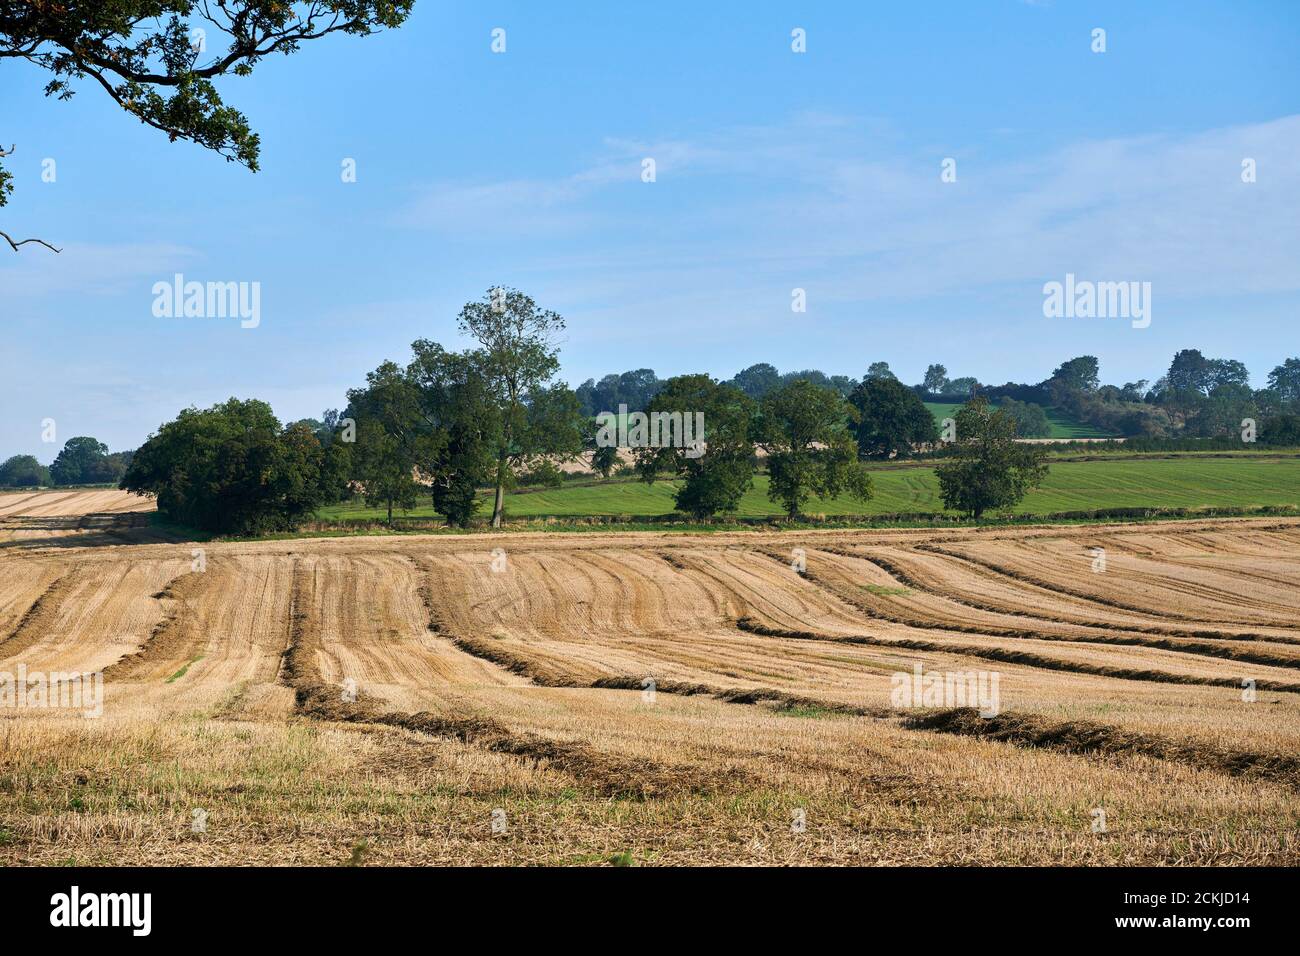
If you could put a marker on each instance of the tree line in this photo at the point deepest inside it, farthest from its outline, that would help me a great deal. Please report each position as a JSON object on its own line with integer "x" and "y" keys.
{"x": 1196, "y": 397}
{"x": 82, "y": 461}
{"x": 450, "y": 424}
{"x": 444, "y": 423}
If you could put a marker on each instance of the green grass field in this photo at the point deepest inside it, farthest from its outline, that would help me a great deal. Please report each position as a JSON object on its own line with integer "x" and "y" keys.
{"x": 1070, "y": 486}
{"x": 1066, "y": 427}
{"x": 940, "y": 411}
{"x": 1062, "y": 425}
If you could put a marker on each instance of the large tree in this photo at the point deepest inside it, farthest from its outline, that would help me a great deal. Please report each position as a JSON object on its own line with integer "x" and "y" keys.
{"x": 1080, "y": 374}
{"x": 637, "y": 387}
{"x": 989, "y": 468}
{"x": 78, "y": 461}
{"x": 1281, "y": 430}
{"x": 1284, "y": 381}
{"x": 719, "y": 469}
{"x": 1134, "y": 391}
{"x": 965, "y": 385}
{"x": 1227, "y": 372}
{"x": 1031, "y": 421}
{"x": 1188, "y": 372}
{"x": 231, "y": 468}
{"x": 84, "y": 461}
{"x": 390, "y": 437}
{"x": 891, "y": 418}
{"x": 23, "y": 471}
{"x": 757, "y": 380}
{"x": 604, "y": 459}
{"x": 633, "y": 389}
{"x": 842, "y": 384}
{"x": 804, "y": 429}
{"x": 1221, "y": 414}
{"x": 461, "y": 421}
{"x": 936, "y": 379}
{"x": 518, "y": 359}
{"x": 158, "y": 59}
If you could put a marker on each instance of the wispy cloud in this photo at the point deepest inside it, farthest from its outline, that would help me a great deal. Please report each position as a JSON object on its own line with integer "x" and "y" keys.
{"x": 863, "y": 216}
{"x": 568, "y": 205}
{"x": 92, "y": 269}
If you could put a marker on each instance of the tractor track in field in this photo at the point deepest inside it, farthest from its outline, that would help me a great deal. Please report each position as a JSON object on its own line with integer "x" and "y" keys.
{"x": 544, "y": 675}
{"x": 1030, "y": 658}
{"x": 1026, "y": 731}
{"x": 171, "y": 637}
{"x": 1085, "y": 738}
{"x": 912, "y": 581}
{"x": 38, "y": 618}
{"x": 1021, "y": 658}
{"x": 1118, "y": 636}
{"x": 1061, "y": 590}
{"x": 607, "y": 774}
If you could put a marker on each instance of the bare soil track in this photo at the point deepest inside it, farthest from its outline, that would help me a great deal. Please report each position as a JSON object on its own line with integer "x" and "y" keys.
{"x": 675, "y": 696}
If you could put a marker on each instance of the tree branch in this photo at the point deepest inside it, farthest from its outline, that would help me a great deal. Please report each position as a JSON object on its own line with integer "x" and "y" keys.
{"x": 248, "y": 45}
{"x": 22, "y": 242}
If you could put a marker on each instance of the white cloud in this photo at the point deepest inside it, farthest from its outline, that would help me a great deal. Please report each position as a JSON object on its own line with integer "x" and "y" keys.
{"x": 91, "y": 269}
{"x": 853, "y": 211}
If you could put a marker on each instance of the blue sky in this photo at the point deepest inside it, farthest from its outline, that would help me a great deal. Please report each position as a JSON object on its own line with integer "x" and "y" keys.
{"x": 775, "y": 171}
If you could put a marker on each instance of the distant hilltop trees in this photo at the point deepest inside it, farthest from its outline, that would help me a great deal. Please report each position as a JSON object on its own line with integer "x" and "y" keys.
{"x": 82, "y": 461}
{"x": 1196, "y": 397}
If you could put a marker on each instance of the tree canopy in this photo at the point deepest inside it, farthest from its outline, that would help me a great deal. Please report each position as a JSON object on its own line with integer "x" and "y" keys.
{"x": 633, "y": 388}
{"x": 1082, "y": 373}
{"x": 1285, "y": 381}
{"x": 389, "y": 441}
{"x": 757, "y": 380}
{"x": 460, "y": 415}
{"x": 518, "y": 358}
{"x": 936, "y": 379}
{"x": 989, "y": 469}
{"x": 891, "y": 418}
{"x": 231, "y": 469}
{"x": 805, "y": 430}
{"x": 23, "y": 471}
{"x": 716, "y": 474}
{"x": 1031, "y": 421}
{"x": 86, "y": 461}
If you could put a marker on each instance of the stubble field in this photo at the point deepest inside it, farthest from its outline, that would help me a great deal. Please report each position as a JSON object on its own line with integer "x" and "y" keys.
{"x": 651, "y": 698}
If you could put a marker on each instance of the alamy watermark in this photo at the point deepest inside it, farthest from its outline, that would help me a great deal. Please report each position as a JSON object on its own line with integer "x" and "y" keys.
{"x": 1085, "y": 299}
{"x": 180, "y": 299}
{"x": 55, "y": 690}
{"x": 656, "y": 430}
{"x": 920, "y": 688}
{"x": 75, "y": 908}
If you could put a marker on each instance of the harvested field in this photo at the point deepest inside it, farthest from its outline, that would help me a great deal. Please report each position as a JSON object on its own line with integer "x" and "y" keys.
{"x": 77, "y": 518}
{"x": 71, "y": 504}
{"x": 675, "y": 697}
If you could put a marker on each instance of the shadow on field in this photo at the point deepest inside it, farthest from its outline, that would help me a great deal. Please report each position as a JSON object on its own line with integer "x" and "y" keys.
{"x": 80, "y": 531}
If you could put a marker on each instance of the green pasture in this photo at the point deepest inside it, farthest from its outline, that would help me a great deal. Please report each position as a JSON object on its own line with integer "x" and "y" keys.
{"x": 1070, "y": 486}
